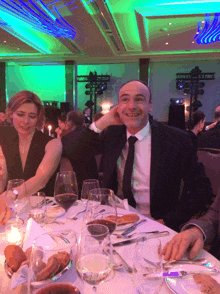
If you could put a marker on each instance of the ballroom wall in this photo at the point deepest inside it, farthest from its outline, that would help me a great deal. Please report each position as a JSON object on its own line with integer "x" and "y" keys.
{"x": 48, "y": 81}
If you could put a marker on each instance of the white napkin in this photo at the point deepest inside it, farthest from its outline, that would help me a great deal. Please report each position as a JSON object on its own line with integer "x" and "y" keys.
{"x": 33, "y": 230}
{"x": 121, "y": 203}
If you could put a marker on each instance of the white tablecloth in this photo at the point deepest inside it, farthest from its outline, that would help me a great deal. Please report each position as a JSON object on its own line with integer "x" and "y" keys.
{"x": 121, "y": 281}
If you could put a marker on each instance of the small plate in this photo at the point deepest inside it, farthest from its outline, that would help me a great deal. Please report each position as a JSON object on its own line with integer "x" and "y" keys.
{"x": 186, "y": 285}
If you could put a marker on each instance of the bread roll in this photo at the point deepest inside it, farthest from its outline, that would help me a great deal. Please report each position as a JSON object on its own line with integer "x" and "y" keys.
{"x": 208, "y": 284}
{"x": 14, "y": 256}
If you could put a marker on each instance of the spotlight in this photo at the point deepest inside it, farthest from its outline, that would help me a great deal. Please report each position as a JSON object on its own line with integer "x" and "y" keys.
{"x": 87, "y": 86}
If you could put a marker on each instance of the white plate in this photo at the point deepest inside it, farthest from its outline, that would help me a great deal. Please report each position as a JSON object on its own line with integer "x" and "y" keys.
{"x": 186, "y": 285}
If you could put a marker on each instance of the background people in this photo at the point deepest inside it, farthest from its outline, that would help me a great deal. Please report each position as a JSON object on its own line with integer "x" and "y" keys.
{"x": 84, "y": 169}
{"x": 196, "y": 125}
{"x": 211, "y": 138}
{"x": 61, "y": 130}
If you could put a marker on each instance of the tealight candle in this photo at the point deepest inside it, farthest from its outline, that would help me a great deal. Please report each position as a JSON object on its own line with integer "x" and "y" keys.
{"x": 49, "y": 128}
{"x": 14, "y": 236}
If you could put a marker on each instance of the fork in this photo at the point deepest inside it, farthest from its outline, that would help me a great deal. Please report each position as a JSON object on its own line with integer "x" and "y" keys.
{"x": 129, "y": 236}
{"x": 75, "y": 216}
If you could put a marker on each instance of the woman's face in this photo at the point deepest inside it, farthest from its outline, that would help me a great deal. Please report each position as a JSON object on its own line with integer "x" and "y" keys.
{"x": 25, "y": 118}
{"x": 61, "y": 124}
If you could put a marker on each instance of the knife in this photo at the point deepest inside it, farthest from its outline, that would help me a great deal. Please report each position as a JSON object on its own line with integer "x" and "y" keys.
{"x": 132, "y": 228}
{"x": 141, "y": 239}
{"x": 182, "y": 273}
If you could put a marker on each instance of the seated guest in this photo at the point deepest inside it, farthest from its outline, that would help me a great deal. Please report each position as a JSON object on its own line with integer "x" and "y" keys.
{"x": 195, "y": 233}
{"x": 196, "y": 125}
{"x": 211, "y": 138}
{"x": 83, "y": 169}
{"x": 61, "y": 130}
{"x": 145, "y": 161}
{"x": 87, "y": 113}
{"x": 25, "y": 152}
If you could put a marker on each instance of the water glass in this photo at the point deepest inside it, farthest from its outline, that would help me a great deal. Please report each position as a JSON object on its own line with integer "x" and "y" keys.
{"x": 148, "y": 271}
{"x": 86, "y": 187}
{"x": 38, "y": 205}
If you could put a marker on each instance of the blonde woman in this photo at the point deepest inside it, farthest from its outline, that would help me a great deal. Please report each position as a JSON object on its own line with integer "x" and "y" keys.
{"x": 26, "y": 152}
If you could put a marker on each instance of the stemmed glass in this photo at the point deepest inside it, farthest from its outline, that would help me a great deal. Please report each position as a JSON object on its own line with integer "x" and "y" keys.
{"x": 17, "y": 195}
{"x": 108, "y": 215}
{"x": 66, "y": 189}
{"x": 86, "y": 187}
{"x": 94, "y": 260}
{"x": 148, "y": 272}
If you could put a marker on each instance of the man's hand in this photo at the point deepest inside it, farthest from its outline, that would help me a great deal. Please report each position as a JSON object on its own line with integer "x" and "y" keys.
{"x": 191, "y": 238}
{"x": 161, "y": 221}
{"x": 109, "y": 119}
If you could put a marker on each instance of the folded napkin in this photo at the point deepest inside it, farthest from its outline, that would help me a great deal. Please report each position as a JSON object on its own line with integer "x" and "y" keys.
{"x": 33, "y": 231}
{"x": 121, "y": 203}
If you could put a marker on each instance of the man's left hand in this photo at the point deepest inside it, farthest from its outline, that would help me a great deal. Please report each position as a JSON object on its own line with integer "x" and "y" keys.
{"x": 161, "y": 221}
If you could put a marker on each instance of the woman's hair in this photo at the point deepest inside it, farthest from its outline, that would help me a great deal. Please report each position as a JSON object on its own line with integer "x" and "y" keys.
{"x": 26, "y": 97}
{"x": 196, "y": 117}
{"x": 62, "y": 118}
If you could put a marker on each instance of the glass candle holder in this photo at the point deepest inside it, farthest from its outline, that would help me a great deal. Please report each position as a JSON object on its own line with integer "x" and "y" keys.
{"x": 14, "y": 235}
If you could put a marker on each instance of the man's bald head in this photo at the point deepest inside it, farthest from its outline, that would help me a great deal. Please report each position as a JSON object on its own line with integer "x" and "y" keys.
{"x": 217, "y": 114}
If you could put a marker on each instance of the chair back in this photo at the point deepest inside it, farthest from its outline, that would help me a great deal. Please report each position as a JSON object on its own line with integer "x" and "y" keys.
{"x": 211, "y": 161}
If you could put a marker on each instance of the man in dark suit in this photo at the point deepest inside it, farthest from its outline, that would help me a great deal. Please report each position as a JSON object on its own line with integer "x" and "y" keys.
{"x": 211, "y": 138}
{"x": 163, "y": 156}
{"x": 84, "y": 169}
{"x": 195, "y": 233}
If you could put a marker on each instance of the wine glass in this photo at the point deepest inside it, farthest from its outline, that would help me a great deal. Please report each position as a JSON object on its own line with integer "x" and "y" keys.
{"x": 94, "y": 260}
{"x": 148, "y": 271}
{"x": 108, "y": 214}
{"x": 17, "y": 196}
{"x": 66, "y": 189}
{"x": 86, "y": 187}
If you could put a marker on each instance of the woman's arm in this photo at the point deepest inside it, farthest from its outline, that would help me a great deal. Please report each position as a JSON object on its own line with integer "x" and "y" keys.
{"x": 3, "y": 171}
{"x": 47, "y": 167}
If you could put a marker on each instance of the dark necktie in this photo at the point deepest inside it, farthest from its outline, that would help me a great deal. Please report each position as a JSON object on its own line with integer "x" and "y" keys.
{"x": 126, "y": 185}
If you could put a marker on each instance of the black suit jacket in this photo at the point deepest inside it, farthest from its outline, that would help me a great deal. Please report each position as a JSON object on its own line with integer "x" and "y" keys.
{"x": 210, "y": 225}
{"x": 210, "y": 138}
{"x": 84, "y": 169}
{"x": 173, "y": 158}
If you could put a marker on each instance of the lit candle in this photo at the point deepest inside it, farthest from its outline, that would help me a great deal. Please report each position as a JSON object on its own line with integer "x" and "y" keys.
{"x": 49, "y": 128}
{"x": 14, "y": 236}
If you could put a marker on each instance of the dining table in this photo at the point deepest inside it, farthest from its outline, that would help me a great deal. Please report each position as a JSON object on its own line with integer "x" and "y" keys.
{"x": 120, "y": 281}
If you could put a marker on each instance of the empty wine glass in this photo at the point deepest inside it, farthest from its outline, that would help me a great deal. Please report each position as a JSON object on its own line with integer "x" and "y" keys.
{"x": 66, "y": 189}
{"x": 108, "y": 214}
{"x": 94, "y": 260}
{"x": 148, "y": 272}
{"x": 86, "y": 187}
{"x": 17, "y": 196}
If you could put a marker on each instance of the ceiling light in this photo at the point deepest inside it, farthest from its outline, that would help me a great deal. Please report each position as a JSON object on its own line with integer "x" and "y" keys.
{"x": 170, "y": 23}
{"x": 193, "y": 42}
{"x": 5, "y": 41}
{"x": 18, "y": 48}
{"x": 167, "y": 43}
{"x": 168, "y": 34}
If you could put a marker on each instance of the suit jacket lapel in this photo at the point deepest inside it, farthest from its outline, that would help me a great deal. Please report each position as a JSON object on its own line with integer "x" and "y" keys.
{"x": 155, "y": 155}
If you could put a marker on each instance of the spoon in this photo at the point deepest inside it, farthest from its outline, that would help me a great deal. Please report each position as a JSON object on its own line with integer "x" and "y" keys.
{"x": 129, "y": 236}
{"x": 201, "y": 261}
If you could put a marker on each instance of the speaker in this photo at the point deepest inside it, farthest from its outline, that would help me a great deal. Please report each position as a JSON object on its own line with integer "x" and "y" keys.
{"x": 65, "y": 107}
{"x": 177, "y": 116}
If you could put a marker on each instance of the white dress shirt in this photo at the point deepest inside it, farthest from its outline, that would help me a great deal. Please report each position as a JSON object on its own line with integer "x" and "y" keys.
{"x": 140, "y": 179}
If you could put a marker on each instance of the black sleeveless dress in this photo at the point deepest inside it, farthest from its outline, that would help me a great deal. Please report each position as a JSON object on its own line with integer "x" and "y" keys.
{"x": 9, "y": 142}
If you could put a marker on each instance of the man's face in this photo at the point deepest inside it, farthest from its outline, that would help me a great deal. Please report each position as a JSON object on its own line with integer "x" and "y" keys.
{"x": 134, "y": 106}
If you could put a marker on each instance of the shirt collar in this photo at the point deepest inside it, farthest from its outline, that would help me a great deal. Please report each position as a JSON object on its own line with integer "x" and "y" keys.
{"x": 143, "y": 133}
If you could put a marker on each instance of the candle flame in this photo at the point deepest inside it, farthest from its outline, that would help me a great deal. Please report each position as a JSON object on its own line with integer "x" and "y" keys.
{"x": 49, "y": 127}
{"x": 14, "y": 235}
